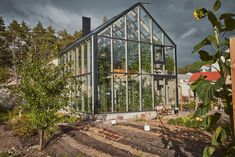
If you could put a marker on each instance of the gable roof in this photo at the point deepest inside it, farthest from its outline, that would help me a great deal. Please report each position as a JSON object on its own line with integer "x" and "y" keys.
{"x": 211, "y": 76}
{"x": 107, "y": 24}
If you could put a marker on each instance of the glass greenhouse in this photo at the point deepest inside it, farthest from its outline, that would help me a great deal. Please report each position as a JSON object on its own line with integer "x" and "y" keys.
{"x": 128, "y": 64}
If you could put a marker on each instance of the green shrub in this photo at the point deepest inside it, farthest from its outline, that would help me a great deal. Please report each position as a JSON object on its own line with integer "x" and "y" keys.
{"x": 189, "y": 106}
{"x": 21, "y": 125}
{"x": 188, "y": 121}
{"x": 9, "y": 154}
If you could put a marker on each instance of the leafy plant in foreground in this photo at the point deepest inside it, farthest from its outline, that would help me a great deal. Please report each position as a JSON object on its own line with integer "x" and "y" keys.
{"x": 45, "y": 91}
{"x": 223, "y": 135}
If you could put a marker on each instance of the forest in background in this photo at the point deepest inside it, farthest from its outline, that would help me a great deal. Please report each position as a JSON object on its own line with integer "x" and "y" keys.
{"x": 18, "y": 40}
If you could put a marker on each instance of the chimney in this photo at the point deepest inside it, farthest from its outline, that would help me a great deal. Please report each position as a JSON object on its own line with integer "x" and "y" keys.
{"x": 86, "y": 25}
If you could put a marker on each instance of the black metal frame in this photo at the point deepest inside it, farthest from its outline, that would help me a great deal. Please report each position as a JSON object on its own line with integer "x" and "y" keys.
{"x": 95, "y": 36}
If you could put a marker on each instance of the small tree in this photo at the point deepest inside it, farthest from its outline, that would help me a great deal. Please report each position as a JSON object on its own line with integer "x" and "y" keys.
{"x": 223, "y": 135}
{"x": 45, "y": 91}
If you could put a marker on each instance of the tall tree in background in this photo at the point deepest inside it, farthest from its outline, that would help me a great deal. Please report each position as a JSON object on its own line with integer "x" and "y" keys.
{"x": 64, "y": 39}
{"x": 17, "y": 38}
{"x": 4, "y": 53}
{"x": 44, "y": 42}
{"x": 5, "y": 61}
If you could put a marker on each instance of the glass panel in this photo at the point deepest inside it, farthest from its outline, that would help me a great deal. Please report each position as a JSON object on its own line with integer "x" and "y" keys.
{"x": 88, "y": 52}
{"x": 167, "y": 41}
{"x": 119, "y": 28}
{"x": 158, "y": 54}
{"x": 133, "y": 93}
{"x": 158, "y": 69}
{"x": 169, "y": 60}
{"x": 77, "y": 93}
{"x": 132, "y": 25}
{"x": 119, "y": 55}
{"x": 133, "y": 57}
{"x": 104, "y": 88}
{"x": 86, "y": 94}
{"x": 144, "y": 26}
{"x": 119, "y": 92}
{"x": 84, "y": 58}
{"x": 171, "y": 92}
{"x": 147, "y": 92}
{"x": 157, "y": 34}
{"x": 104, "y": 75}
{"x": 78, "y": 61}
{"x": 106, "y": 32}
{"x": 73, "y": 61}
{"x": 62, "y": 61}
{"x": 104, "y": 55}
{"x": 146, "y": 58}
{"x": 159, "y": 92}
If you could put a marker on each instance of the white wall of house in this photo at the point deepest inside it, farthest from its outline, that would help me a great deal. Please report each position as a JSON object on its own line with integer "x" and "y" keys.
{"x": 184, "y": 86}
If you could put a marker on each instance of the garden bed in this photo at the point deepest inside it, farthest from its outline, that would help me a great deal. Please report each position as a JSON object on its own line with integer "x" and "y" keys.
{"x": 124, "y": 139}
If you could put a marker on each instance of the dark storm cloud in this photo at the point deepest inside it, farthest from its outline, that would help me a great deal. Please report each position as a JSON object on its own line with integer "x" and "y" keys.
{"x": 175, "y": 16}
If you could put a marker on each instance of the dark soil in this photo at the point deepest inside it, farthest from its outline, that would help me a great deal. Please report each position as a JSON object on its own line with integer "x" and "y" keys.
{"x": 163, "y": 140}
{"x": 91, "y": 142}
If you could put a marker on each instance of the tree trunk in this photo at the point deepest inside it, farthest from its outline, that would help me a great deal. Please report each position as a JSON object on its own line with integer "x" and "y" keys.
{"x": 41, "y": 135}
{"x": 14, "y": 67}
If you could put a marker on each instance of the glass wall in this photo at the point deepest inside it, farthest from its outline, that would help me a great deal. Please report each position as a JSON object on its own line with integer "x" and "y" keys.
{"x": 136, "y": 66}
{"x": 78, "y": 60}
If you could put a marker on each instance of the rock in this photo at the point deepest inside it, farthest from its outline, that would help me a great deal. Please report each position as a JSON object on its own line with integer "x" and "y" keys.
{"x": 35, "y": 147}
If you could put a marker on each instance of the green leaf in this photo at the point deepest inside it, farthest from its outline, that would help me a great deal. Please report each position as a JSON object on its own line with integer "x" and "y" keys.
{"x": 208, "y": 151}
{"x": 214, "y": 119}
{"x": 216, "y": 139}
{"x": 216, "y": 5}
{"x": 226, "y": 67}
{"x": 205, "y": 55}
{"x": 225, "y": 42}
{"x": 205, "y": 91}
{"x": 213, "y": 19}
{"x": 201, "y": 110}
{"x": 204, "y": 42}
{"x": 229, "y": 24}
{"x": 226, "y": 15}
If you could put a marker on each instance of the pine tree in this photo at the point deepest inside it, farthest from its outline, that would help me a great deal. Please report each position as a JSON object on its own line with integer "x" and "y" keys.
{"x": 44, "y": 42}
{"x": 14, "y": 43}
{"x": 4, "y": 53}
{"x": 64, "y": 39}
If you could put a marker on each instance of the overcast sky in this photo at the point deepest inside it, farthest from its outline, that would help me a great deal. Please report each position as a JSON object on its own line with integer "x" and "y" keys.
{"x": 175, "y": 16}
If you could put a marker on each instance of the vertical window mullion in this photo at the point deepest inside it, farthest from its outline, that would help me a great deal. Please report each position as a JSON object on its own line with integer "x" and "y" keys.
{"x": 126, "y": 65}
{"x": 152, "y": 64}
{"x": 82, "y": 72}
{"x": 139, "y": 54}
{"x": 112, "y": 74}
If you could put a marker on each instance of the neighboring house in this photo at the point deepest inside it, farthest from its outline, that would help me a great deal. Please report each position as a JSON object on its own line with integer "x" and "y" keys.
{"x": 210, "y": 67}
{"x": 211, "y": 76}
{"x": 128, "y": 64}
{"x": 185, "y": 92}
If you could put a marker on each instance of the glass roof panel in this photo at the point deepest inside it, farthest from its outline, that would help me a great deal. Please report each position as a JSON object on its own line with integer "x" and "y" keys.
{"x": 106, "y": 32}
{"x": 132, "y": 24}
{"x": 167, "y": 41}
{"x": 157, "y": 34}
{"x": 119, "y": 28}
{"x": 144, "y": 26}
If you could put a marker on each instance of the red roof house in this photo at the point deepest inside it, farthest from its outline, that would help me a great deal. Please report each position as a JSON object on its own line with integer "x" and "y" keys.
{"x": 211, "y": 76}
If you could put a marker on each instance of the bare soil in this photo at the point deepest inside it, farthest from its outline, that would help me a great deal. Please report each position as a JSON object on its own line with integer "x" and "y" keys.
{"x": 126, "y": 139}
